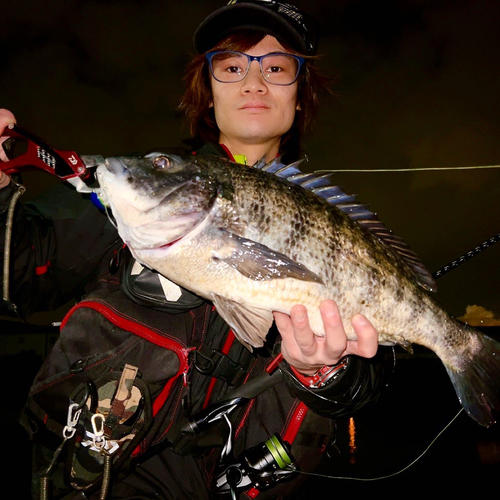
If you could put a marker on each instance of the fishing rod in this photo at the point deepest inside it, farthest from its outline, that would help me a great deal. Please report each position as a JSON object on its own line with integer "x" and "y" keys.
{"x": 466, "y": 256}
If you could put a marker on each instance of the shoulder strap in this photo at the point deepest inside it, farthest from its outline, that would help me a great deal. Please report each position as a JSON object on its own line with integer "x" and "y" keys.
{"x": 149, "y": 288}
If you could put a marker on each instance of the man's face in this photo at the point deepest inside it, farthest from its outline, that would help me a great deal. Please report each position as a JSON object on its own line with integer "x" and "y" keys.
{"x": 254, "y": 111}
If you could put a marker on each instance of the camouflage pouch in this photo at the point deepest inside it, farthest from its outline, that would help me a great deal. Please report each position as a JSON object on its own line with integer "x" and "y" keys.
{"x": 115, "y": 415}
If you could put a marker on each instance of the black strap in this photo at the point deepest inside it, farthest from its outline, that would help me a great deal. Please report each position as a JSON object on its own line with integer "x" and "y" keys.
{"x": 184, "y": 433}
{"x": 216, "y": 364}
{"x": 255, "y": 386}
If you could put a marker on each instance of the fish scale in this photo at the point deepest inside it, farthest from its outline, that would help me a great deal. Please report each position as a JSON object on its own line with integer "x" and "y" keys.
{"x": 254, "y": 240}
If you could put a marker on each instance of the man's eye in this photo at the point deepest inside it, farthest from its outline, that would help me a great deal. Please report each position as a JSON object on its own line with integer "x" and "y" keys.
{"x": 234, "y": 69}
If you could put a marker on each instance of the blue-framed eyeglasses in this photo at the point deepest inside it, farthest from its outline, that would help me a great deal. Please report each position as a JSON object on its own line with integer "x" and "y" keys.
{"x": 278, "y": 68}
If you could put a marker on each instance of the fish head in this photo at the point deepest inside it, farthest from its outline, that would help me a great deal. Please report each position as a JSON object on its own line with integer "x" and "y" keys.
{"x": 155, "y": 199}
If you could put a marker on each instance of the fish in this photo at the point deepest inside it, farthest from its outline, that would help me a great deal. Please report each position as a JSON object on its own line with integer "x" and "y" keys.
{"x": 262, "y": 238}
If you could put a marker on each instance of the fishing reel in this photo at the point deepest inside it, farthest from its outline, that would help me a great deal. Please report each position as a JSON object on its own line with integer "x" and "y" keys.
{"x": 262, "y": 467}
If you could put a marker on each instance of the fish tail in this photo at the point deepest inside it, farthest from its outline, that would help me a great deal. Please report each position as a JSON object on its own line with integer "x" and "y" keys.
{"x": 476, "y": 378}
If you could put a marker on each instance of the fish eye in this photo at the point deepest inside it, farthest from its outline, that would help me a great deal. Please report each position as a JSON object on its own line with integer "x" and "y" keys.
{"x": 162, "y": 162}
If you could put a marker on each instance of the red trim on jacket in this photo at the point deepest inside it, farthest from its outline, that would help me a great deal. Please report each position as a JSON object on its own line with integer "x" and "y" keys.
{"x": 295, "y": 422}
{"x": 226, "y": 149}
{"x": 39, "y": 270}
{"x": 274, "y": 363}
{"x": 292, "y": 429}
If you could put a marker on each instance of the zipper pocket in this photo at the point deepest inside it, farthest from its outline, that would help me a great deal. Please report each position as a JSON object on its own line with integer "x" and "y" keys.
{"x": 156, "y": 338}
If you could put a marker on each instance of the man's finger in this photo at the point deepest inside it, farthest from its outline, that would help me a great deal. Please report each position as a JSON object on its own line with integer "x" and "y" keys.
{"x": 367, "y": 343}
{"x": 6, "y": 117}
{"x": 304, "y": 336}
{"x": 335, "y": 337}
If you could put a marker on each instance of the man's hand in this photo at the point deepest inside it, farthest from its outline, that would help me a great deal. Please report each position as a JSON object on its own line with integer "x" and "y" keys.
{"x": 6, "y": 117}
{"x": 307, "y": 352}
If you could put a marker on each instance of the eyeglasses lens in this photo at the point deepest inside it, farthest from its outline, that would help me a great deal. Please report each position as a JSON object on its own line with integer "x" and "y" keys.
{"x": 279, "y": 69}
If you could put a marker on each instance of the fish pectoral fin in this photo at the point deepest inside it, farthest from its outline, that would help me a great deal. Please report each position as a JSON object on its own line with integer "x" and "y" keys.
{"x": 259, "y": 263}
{"x": 249, "y": 324}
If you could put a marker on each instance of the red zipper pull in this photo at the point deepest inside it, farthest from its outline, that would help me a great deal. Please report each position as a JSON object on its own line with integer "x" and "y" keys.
{"x": 186, "y": 366}
{"x": 184, "y": 376}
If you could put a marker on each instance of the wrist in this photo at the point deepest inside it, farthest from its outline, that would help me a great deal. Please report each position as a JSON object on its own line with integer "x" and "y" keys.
{"x": 323, "y": 376}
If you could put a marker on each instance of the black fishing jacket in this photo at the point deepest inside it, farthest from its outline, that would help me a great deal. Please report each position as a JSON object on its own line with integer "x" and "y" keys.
{"x": 65, "y": 249}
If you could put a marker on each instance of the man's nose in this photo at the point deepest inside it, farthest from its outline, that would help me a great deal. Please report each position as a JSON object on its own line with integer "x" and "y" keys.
{"x": 254, "y": 81}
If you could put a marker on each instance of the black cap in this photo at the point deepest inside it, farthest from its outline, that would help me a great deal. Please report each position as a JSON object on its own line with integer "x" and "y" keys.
{"x": 283, "y": 21}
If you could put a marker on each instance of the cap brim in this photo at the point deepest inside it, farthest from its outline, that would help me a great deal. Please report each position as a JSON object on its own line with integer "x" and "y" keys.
{"x": 231, "y": 18}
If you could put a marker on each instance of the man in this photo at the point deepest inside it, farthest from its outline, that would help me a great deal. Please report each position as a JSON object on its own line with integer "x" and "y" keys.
{"x": 248, "y": 95}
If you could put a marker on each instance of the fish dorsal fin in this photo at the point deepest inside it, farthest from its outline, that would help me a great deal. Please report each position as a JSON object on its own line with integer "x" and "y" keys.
{"x": 277, "y": 168}
{"x": 320, "y": 183}
{"x": 259, "y": 165}
{"x": 421, "y": 273}
{"x": 270, "y": 167}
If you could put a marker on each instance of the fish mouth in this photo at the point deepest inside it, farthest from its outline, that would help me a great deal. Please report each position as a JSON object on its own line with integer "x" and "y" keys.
{"x": 185, "y": 228}
{"x": 115, "y": 166}
{"x": 171, "y": 231}
{"x": 150, "y": 219}
{"x": 191, "y": 223}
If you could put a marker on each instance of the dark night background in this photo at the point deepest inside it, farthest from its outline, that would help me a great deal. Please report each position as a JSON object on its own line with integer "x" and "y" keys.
{"x": 417, "y": 86}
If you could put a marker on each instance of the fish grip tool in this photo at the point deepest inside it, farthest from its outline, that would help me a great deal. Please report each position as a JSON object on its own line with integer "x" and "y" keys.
{"x": 25, "y": 151}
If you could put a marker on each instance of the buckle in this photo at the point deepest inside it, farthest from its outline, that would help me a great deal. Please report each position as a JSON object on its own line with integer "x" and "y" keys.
{"x": 216, "y": 364}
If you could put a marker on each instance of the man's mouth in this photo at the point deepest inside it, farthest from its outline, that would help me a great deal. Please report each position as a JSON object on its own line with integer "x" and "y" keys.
{"x": 252, "y": 105}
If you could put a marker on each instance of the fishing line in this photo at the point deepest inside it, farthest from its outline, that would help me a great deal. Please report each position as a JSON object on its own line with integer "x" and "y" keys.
{"x": 368, "y": 479}
{"x": 418, "y": 169}
{"x": 110, "y": 216}
{"x": 411, "y": 464}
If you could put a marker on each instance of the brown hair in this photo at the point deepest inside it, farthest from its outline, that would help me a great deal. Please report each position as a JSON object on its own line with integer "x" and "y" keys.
{"x": 198, "y": 95}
